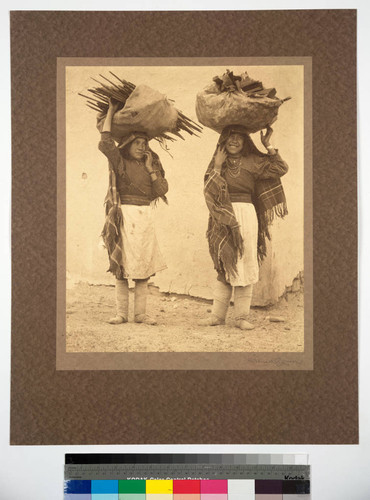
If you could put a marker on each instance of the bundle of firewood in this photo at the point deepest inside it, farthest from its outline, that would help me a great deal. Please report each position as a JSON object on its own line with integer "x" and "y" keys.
{"x": 237, "y": 100}
{"x": 141, "y": 109}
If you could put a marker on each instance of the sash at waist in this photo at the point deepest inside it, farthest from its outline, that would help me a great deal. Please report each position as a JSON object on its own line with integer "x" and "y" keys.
{"x": 133, "y": 199}
{"x": 240, "y": 197}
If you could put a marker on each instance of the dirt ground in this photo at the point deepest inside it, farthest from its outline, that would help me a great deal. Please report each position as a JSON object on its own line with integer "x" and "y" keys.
{"x": 90, "y": 306}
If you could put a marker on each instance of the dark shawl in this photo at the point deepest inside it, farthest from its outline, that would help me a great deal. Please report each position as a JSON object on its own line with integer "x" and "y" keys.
{"x": 111, "y": 232}
{"x": 223, "y": 234}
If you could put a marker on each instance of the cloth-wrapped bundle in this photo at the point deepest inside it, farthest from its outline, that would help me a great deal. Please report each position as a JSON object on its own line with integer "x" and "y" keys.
{"x": 140, "y": 109}
{"x": 228, "y": 101}
{"x": 146, "y": 110}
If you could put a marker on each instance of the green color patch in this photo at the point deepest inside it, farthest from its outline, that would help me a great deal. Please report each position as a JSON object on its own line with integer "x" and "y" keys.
{"x": 131, "y": 486}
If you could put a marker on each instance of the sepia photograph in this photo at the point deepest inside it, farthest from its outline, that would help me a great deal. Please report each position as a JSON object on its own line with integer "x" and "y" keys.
{"x": 184, "y": 202}
{"x": 184, "y": 228}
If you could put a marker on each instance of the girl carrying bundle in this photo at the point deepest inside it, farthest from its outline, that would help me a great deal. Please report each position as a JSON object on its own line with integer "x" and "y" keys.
{"x": 242, "y": 191}
{"x": 136, "y": 180}
{"x": 242, "y": 187}
{"x": 131, "y": 116}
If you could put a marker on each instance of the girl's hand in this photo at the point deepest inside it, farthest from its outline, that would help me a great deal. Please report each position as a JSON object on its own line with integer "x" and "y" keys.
{"x": 148, "y": 161}
{"x": 220, "y": 157}
{"x": 113, "y": 105}
{"x": 265, "y": 139}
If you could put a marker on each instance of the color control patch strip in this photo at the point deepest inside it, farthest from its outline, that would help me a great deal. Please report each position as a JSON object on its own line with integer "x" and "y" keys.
{"x": 207, "y": 489}
{"x": 145, "y": 481}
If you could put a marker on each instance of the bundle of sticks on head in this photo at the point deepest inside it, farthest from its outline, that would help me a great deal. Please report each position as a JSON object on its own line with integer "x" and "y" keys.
{"x": 237, "y": 100}
{"x": 141, "y": 109}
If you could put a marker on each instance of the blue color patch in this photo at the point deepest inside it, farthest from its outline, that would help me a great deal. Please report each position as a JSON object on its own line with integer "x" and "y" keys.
{"x": 77, "y": 486}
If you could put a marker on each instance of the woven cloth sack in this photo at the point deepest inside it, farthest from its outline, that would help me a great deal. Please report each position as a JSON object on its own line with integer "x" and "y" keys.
{"x": 217, "y": 110}
{"x": 145, "y": 110}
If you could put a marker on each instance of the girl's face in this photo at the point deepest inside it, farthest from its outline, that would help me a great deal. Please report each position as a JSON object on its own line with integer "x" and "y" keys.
{"x": 138, "y": 148}
{"x": 234, "y": 144}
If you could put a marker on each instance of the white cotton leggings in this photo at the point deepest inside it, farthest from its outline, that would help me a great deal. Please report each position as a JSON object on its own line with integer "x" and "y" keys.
{"x": 122, "y": 297}
{"x": 221, "y": 300}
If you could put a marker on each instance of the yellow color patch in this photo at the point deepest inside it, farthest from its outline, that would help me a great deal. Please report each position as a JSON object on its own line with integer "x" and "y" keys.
{"x": 164, "y": 486}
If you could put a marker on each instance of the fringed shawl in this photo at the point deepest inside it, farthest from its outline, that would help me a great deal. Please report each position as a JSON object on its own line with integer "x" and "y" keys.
{"x": 223, "y": 233}
{"x": 111, "y": 233}
{"x": 269, "y": 201}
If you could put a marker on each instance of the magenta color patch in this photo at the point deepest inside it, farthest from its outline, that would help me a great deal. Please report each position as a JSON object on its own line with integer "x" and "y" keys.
{"x": 213, "y": 486}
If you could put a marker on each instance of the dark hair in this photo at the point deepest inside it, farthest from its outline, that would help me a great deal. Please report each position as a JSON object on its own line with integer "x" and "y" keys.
{"x": 248, "y": 146}
{"x": 125, "y": 149}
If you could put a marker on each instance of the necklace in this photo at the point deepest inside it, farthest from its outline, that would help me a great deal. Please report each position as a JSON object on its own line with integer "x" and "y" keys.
{"x": 233, "y": 166}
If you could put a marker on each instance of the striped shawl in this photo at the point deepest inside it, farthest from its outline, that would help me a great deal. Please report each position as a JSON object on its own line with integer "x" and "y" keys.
{"x": 111, "y": 233}
{"x": 223, "y": 233}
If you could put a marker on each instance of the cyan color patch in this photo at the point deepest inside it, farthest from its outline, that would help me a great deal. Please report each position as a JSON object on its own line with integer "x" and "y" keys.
{"x": 104, "y": 486}
{"x": 103, "y": 496}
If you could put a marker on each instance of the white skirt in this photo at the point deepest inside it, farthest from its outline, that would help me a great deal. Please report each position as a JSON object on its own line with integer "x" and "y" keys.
{"x": 141, "y": 255}
{"x": 247, "y": 266}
